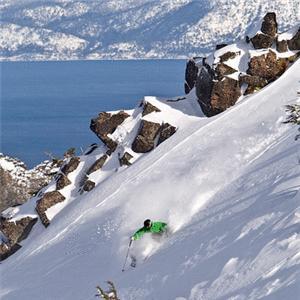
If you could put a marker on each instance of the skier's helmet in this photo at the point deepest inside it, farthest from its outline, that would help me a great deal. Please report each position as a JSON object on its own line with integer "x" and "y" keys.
{"x": 147, "y": 223}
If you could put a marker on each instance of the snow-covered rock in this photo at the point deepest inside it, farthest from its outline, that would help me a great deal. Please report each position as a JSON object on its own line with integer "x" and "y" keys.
{"x": 18, "y": 184}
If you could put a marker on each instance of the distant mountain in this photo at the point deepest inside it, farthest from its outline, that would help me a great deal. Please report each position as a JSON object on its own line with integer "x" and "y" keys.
{"x": 118, "y": 29}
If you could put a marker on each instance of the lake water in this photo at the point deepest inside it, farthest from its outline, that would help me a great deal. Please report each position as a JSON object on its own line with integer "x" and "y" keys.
{"x": 47, "y": 106}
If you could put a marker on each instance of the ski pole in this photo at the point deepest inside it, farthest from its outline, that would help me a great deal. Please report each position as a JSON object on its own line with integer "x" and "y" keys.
{"x": 123, "y": 269}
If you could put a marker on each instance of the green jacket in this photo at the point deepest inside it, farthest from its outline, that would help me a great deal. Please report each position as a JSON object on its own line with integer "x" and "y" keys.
{"x": 156, "y": 227}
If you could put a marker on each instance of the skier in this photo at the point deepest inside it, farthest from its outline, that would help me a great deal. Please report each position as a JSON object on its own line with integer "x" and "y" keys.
{"x": 158, "y": 229}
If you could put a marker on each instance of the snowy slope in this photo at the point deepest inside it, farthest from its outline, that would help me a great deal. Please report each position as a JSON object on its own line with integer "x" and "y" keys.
{"x": 59, "y": 29}
{"x": 228, "y": 186}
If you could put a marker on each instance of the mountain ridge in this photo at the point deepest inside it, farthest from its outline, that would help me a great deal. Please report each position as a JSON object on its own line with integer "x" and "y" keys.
{"x": 62, "y": 30}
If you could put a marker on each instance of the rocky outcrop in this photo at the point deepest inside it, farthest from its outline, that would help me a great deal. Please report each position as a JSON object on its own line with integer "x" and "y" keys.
{"x": 226, "y": 56}
{"x": 48, "y": 200}
{"x": 281, "y": 46}
{"x": 98, "y": 164}
{"x": 267, "y": 66}
{"x": 62, "y": 181}
{"x": 269, "y": 25}
{"x": 88, "y": 185}
{"x": 149, "y": 108}
{"x": 269, "y": 31}
{"x": 166, "y": 131}
{"x": 14, "y": 232}
{"x": 106, "y": 124}
{"x": 18, "y": 184}
{"x": 224, "y": 94}
{"x": 254, "y": 83}
{"x": 125, "y": 159}
{"x": 216, "y": 96}
{"x": 261, "y": 41}
{"x": 294, "y": 43}
{"x": 70, "y": 166}
{"x": 144, "y": 142}
{"x": 223, "y": 70}
{"x": 191, "y": 73}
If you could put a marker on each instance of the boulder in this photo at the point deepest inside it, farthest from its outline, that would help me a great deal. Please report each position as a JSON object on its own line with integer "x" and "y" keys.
{"x": 98, "y": 164}
{"x": 88, "y": 185}
{"x": 166, "y": 131}
{"x": 7, "y": 250}
{"x": 294, "y": 43}
{"x": 204, "y": 87}
{"x": 261, "y": 41}
{"x": 267, "y": 66}
{"x": 105, "y": 124}
{"x": 281, "y": 46}
{"x": 269, "y": 25}
{"x": 214, "y": 96}
{"x": 125, "y": 159}
{"x": 149, "y": 108}
{"x": 254, "y": 83}
{"x": 223, "y": 69}
{"x": 224, "y": 94}
{"x": 16, "y": 231}
{"x": 191, "y": 72}
{"x": 227, "y": 55}
{"x": 71, "y": 165}
{"x": 48, "y": 200}
{"x": 144, "y": 142}
{"x": 62, "y": 181}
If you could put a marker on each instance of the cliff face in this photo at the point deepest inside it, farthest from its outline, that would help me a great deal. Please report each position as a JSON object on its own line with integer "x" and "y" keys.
{"x": 242, "y": 68}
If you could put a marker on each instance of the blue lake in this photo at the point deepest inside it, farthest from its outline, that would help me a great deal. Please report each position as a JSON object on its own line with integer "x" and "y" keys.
{"x": 47, "y": 106}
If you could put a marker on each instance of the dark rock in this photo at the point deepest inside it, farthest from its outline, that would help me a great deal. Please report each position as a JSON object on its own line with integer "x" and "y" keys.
{"x": 71, "y": 165}
{"x": 224, "y": 94}
{"x": 167, "y": 130}
{"x": 125, "y": 159}
{"x": 98, "y": 164}
{"x": 17, "y": 231}
{"x": 7, "y": 250}
{"x": 70, "y": 153}
{"x": 149, "y": 108}
{"x": 105, "y": 124}
{"x": 204, "y": 87}
{"x": 48, "y": 200}
{"x": 261, "y": 41}
{"x": 227, "y": 55}
{"x": 254, "y": 83}
{"x": 281, "y": 46}
{"x": 191, "y": 73}
{"x": 223, "y": 69}
{"x": 294, "y": 43}
{"x": 88, "y": 186}
{"x": 144, "y": 142}
{"x": 62, "y": 181}
{"x": 269, "y": 24}
{"x": 220, "y": 46}
{"x": 267, "y": 66}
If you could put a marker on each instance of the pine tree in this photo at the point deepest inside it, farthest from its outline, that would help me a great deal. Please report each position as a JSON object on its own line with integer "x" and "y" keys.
{"x": 111, "y": 294}
{"x": 293, "y": 116}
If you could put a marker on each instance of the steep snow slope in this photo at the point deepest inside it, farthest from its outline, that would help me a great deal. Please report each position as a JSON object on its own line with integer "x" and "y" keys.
{"x": 57, "y": 29}
{"x": 229, "y": 188}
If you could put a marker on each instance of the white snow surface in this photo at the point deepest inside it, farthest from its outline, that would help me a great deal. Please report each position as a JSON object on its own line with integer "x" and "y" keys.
{"x": 228, "y": 187}
{"x": 118, "y": 29}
